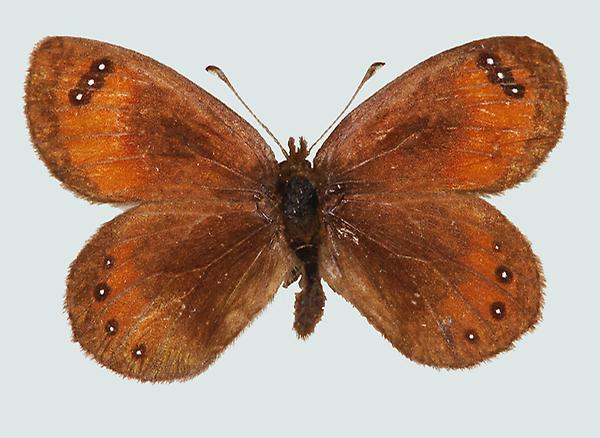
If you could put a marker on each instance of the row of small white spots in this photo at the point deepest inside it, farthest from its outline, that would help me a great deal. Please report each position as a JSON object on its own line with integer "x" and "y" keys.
{"x": 417, "y": 295}
{"x": 490, "y": 65}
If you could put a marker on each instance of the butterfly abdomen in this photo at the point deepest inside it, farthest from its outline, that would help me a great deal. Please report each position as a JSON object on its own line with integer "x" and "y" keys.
{"x": 310, "y": 301}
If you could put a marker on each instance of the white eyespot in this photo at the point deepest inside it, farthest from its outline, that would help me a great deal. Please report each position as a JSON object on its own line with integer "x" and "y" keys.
{"x": 79, "y": 96}
{"x": 91, "y": 82}
{"x": 489, "y": 61}
{"x": 101, "y": 66}
{"x": 471, "y": 336}
{"x": 500, "y": 75}
{"x": 515, "y": 90}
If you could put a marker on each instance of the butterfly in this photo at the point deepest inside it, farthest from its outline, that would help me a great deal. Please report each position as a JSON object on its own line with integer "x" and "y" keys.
{"x": 389, "y": 213}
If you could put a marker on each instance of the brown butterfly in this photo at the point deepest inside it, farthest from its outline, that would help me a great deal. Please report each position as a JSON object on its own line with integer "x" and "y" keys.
{"x": 388, "y": 214}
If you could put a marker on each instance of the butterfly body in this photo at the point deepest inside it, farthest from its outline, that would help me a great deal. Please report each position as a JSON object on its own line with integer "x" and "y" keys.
{"x": 388, "y": 214}
{"x": 298, "y": 188}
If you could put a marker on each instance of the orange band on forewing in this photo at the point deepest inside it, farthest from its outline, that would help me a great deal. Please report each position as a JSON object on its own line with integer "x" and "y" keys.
{"x": 98, "y": 130}
{"x": 495, "y": 124}
{"x": 480, "y": 117}
{"x": 116, "y": 126}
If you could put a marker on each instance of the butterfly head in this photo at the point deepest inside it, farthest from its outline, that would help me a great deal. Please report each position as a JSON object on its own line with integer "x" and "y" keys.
{"x": 298, "y": 153}
{"x": 296, "y": 160}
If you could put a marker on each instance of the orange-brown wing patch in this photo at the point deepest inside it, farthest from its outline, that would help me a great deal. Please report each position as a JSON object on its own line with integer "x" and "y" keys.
{"x": 160, "y": 291}
{"x": 480, "y": 117}
{"x": 446, "y": 279}
{"x": 114, "y": 125}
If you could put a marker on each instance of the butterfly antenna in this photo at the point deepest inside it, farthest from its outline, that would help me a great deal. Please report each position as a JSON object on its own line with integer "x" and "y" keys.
{"x": 219, "y": 73}
{"x": 368, "y": 75}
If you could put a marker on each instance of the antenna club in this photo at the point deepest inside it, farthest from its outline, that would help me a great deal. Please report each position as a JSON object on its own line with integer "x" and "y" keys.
{"x": 368, "y": 75}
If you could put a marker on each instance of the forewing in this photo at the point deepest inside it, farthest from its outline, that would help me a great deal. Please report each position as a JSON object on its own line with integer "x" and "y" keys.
{"x": 117, "y": 126}
{"x": 446, "y": 279}
{"x": 160, "y": 291}
{"x": 480, "y": 117}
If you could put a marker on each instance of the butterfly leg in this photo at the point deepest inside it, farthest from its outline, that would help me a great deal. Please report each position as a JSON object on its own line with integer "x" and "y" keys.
{"x": 262, "y": 207}
{"x": 292, "y": 276}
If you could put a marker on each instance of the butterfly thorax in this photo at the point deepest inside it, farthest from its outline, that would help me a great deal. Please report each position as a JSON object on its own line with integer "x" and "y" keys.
{"x": 299, "y": 207}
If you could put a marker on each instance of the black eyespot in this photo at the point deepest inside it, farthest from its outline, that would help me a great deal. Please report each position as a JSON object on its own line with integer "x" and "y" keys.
{"x": 514, "y": 90}
{"x": 139, "y": 351}
{"x": 101, "y": 291}
{"x": 93, "y": 81}
{"x": 498, "y": 310}
{"x": 488, "y": 61}
{"x": 111, "y": 327}
{"x": 109, "y": 262}
{"x": 103, "y": 65}
{"x": 79, "y": 97}
{"x": 502, "y": 76}
{"x": 471, "y": 336}
{"x": 503, "y": 274}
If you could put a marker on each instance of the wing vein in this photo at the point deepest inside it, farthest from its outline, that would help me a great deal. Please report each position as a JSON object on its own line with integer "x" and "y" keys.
{"x": 115, "y": 299}
{"x": 140, "y": 317}
{"x": 380, "y": 155}
{"x": 172, "y": 324}
{"x": 440, "y": 256}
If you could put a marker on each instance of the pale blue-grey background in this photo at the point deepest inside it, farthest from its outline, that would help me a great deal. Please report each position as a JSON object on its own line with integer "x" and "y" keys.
{"x": 296, "y": 64}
